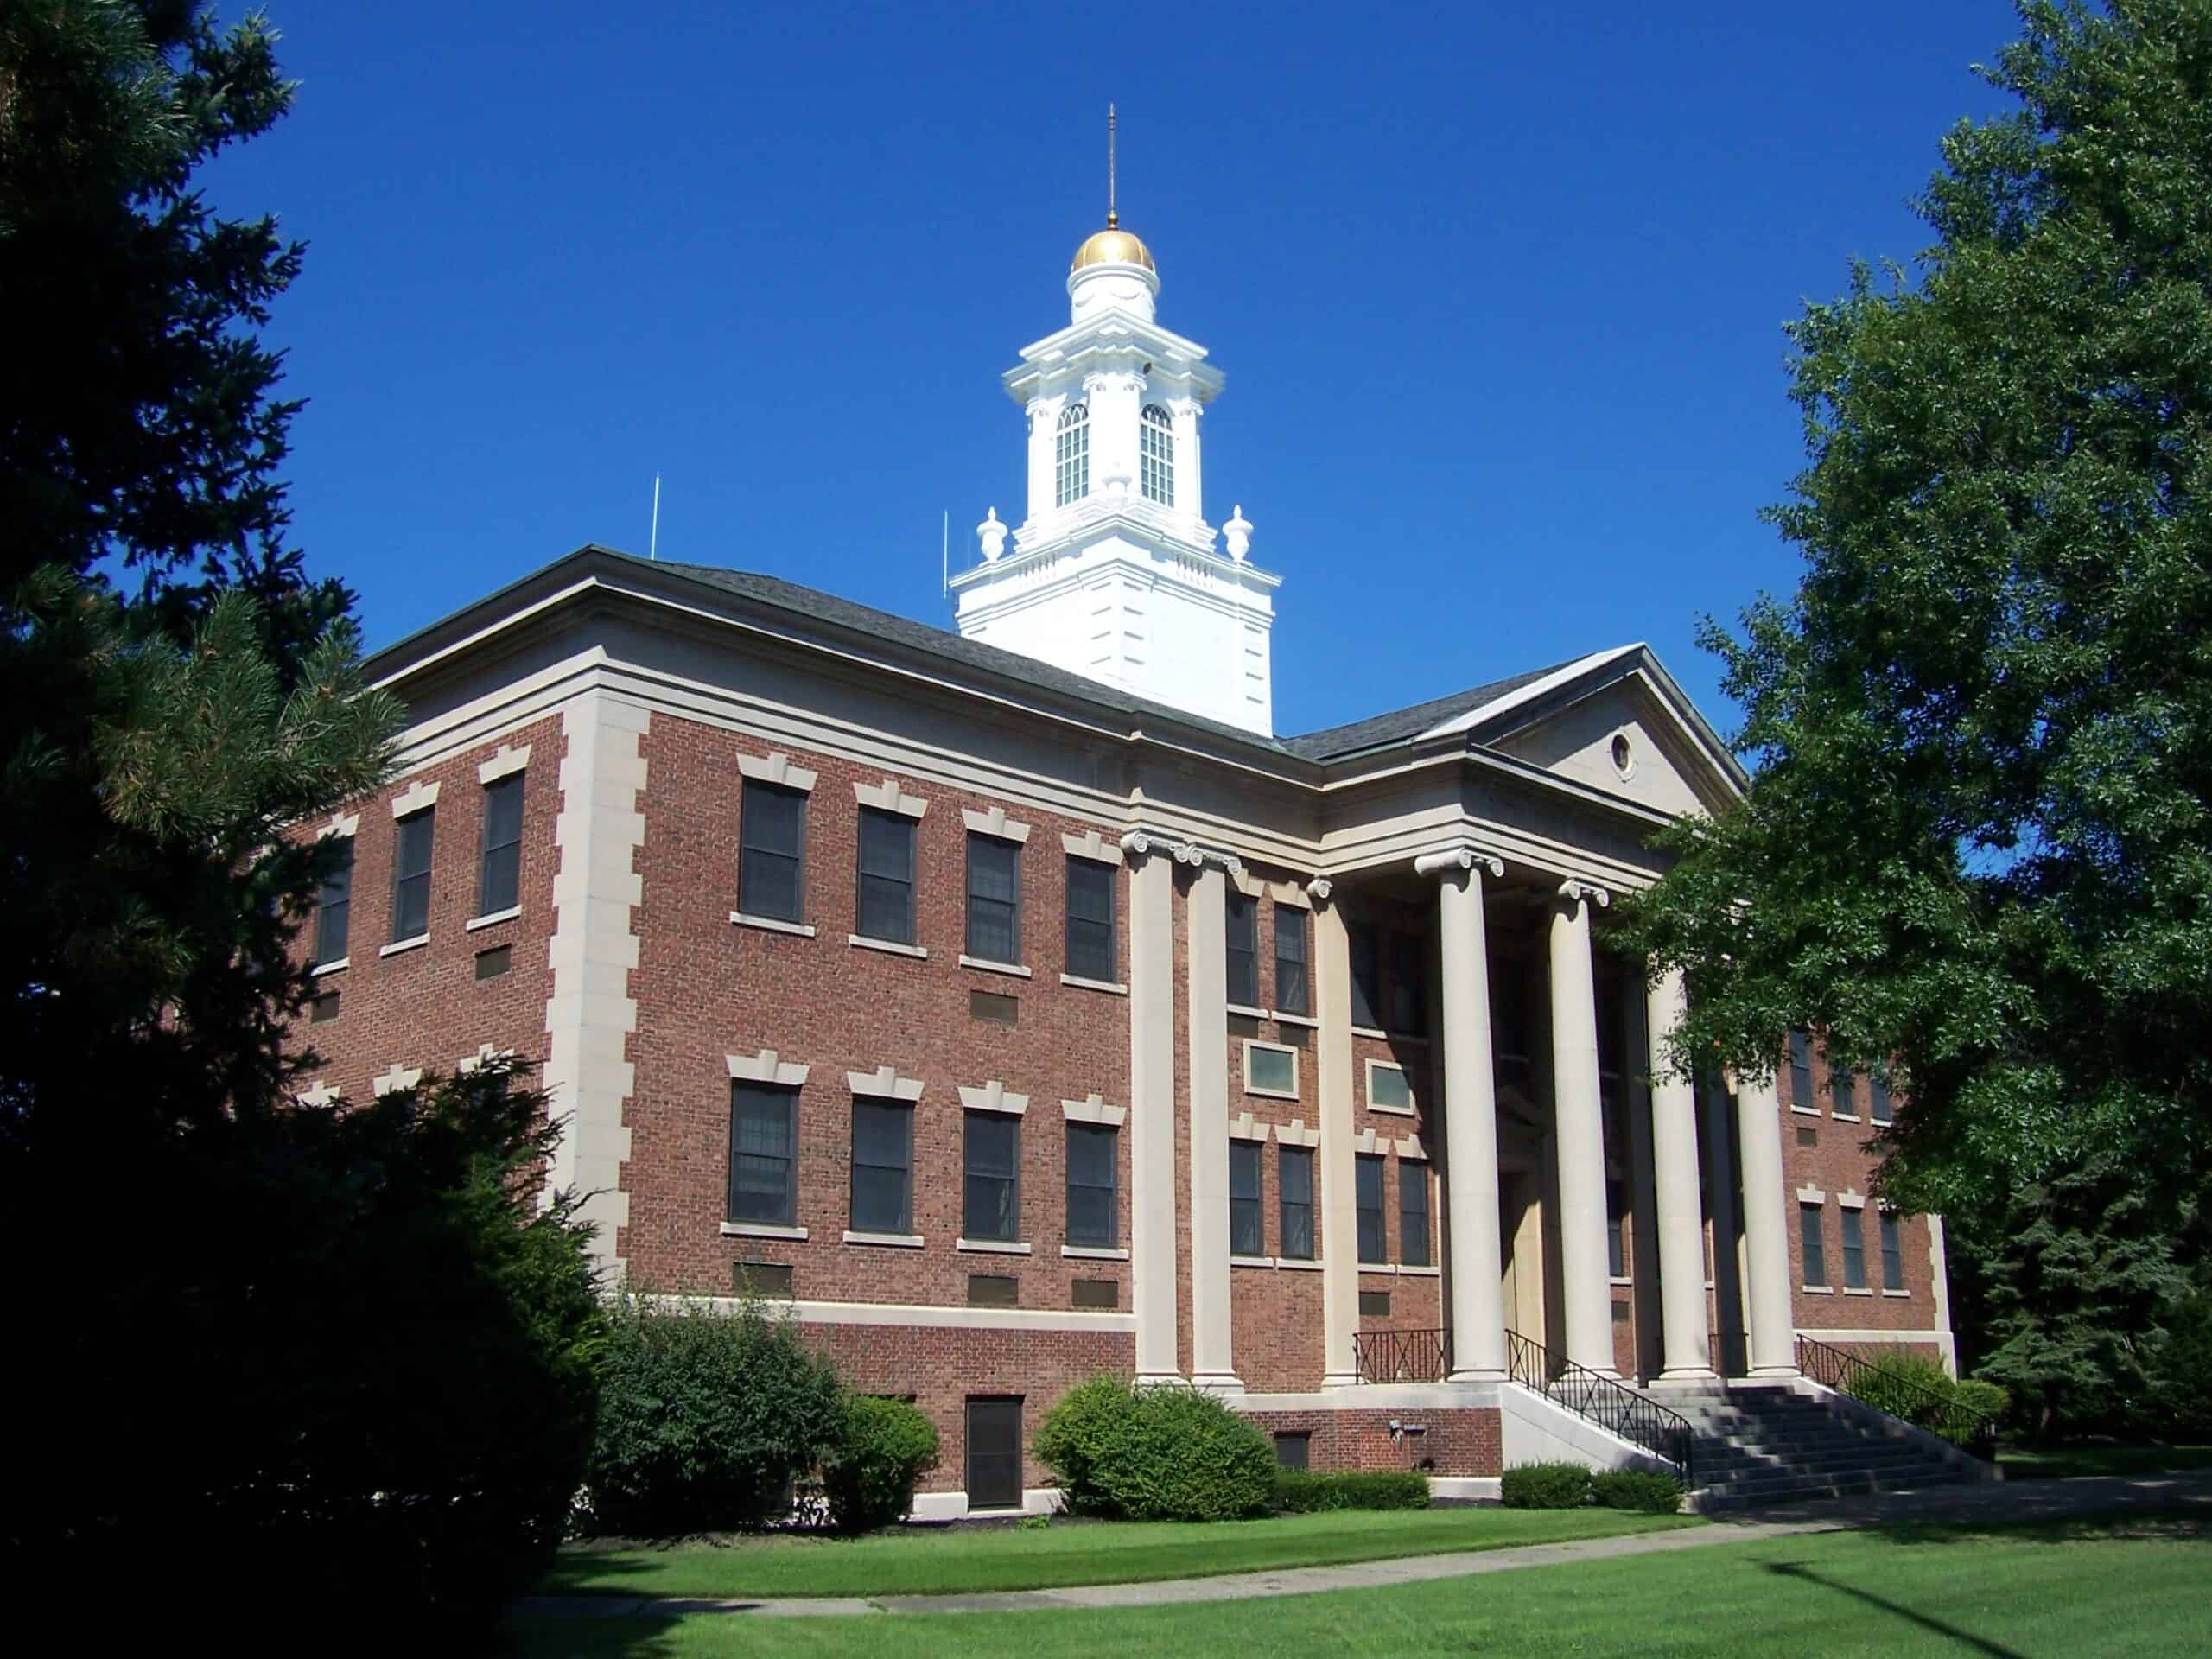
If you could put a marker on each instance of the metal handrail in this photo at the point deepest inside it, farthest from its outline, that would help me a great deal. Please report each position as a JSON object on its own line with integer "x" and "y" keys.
{"x": 1962, "y": 1425}
{"x": 1402, "y": 1356}
{"x": 1613, "y": 1406}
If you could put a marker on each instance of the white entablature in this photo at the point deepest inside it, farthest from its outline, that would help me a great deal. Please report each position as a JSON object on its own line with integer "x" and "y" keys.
{"x": 1114, "y": 572}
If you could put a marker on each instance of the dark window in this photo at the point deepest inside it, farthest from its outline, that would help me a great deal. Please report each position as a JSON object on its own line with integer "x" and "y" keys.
{"x": 763, "y": 1153}
{"x": 993, "y": 1177}
{"x": 1243, "y": 925}
{"x": 1801, "y": 1070}
{"x": 499, "y": 878}
{"x": 883, "y": 1166}
{"x": 1366, "y": 991}
{"x": 1294, "y": 1450}
{"x": 410, "y": 876}
{"x": 1373, "y": 1247}
{"x": 994, "y": 1290}
{"x": 490, "y": 964}
{"x": 1408, "y": 983}
{"x": 995, "y": 1006}
{"x": 993, "y": 899}
{"x": 323, "y": 1007}
{"x": 887, "y": 895}
{"x": 1090, "y": 919}
{"x": 770, "y": 846}
{"x": 1616, "y": 1242}
{"x": 1375, "y": 1302}
{"x": 1245, "y": 1235}
{"x": 333, "y": 905}
{"x": 1816, "y": 1262}
{"x": 760, "y": 1278}
{"x": 1854, "y": 1250}
{"x": 1095, "y": 1292}
{"x": 1092, "y": 1219}
{"x": 1808, "y": 1137}
{"x": 1413, "y": 1212}
{"x": 1293, "y": 992}
{"x": 1892, "y": 1253}
{"x": 1840, "y": 1100}
{"x": 1877, "y": 1098}
{"x": 1295, "y": 1177}
{"x": 994, "y": 1454}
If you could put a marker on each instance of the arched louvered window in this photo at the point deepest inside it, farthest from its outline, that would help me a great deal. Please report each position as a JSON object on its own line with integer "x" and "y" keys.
{"x": 1072, "y": 455}
{"x": 1156, "y": 456}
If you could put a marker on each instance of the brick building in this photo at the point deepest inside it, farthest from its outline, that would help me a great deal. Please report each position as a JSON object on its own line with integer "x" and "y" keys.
{"x": 1012, "y": 1004}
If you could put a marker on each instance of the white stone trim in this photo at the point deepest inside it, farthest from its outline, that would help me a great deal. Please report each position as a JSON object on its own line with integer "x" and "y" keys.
{"x": 990, "y": 1247}
{"x": 1111, "y": 988}
{"x": 413, "y": 799}
{"x": 993, "y": 1096}
{"x": 1939, "y": 1276}
{"x": 953, "y": 1506}
{"x": 1818, "y": 1290}
{"x": 887, "y": 797}
{"x": 1091, "y": 845}
{"x": 1094, "y": 1110}
{"x": 345, "y": 824}
{"x": 1289, "y": 893}
{"x": 484, "y": 1055}
{"x": 492, "y": 919}
{"x": 1409, "y": 1145}
{"x": 339, "y": 966}
{"x": 1890, "y": 1291}
{"x": 1476, "y": 1489}
{"x": 995, "y": 822}
{"x": 399, "y": 945}
{"x": 1251, "y": 1088}
{"x": 1366, "y": 1140}
{"x": 760, "y": 1229}
{"x": 772, "y": 924}
{"x": 934, "y": 1315}
{"x": 766, "y": 1066}
{"x": 396, "y": 1078}
{"x": 1243, "y": 1127}
{"x": 1242, "y": 880}
{"x": 1295, "y": 1134}
{"x": 895, "y": 1241}
{"x": 506, "y": 763}
{"x": 319, "y": 1093}
{"x": 1850, "y": 1201}
{"x": 984, "y": 965}
{"x": 1857, "y": 1290}
{"x": 775, "y": 767}
{"x": 1283, "y": 1019}
{"x": 1366, "y": 1087}
{"x": 890, "y": 947}
{"x": 1382, "y": 1397}
{"x": 1811, "y": 1195}
{"x": 1251, "y": 1261}
{"x": 1301, "y": 1263}
{"x": 1421, "y": 1269}
{"x": 1244, "y": 1010}
{"x": 884, "y": 1083}
{"x": 1093, "y": 1253}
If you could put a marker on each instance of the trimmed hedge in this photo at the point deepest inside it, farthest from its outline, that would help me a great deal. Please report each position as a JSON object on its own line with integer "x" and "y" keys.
{"x": 1180, "y": 1454}
{"x": 1302, "y": 1491}
{"x": 1073, "y": 1435}
{"x": 1650, "y": 1491}
{"x": 867, "y": 1478}
{"x": 1545, "y": 1486}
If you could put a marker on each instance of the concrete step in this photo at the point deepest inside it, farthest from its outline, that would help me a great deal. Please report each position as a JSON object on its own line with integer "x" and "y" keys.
{"x": 1748, "y": 1495}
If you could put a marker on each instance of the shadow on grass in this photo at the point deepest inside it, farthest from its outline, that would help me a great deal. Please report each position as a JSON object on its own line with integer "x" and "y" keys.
{"x": 1964, "y": 1637}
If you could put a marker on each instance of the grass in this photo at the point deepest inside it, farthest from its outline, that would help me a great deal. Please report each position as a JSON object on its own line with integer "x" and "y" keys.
{"x": 916, "y": 1562}
{"x": 2117, "y": 1589}
{"x": 2062, "y": 1460}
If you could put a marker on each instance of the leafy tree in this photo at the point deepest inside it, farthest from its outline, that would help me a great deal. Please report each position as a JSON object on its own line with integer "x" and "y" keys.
{"x": 1977, "y": 846}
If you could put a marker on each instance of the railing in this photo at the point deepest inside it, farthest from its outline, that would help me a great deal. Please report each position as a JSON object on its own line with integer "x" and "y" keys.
{"x": 1402, "y": 1356}
{"x": 1962, "y": 1425}
{"x": 1620, "y": 1410}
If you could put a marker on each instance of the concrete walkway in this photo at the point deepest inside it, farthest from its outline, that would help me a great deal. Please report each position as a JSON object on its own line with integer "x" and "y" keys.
{"x": 1995, "y": 1502}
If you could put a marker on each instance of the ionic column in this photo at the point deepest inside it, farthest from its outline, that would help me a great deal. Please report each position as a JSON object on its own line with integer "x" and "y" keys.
{"x": 1151, "y": 1105}
{"x": 1207, "y": 997}
{"x": 1766, "y": 1237}
{"x": 1477, "y": 1310}
{"x": 1684, "y": 1351}
{"x": 1338, "y": 1201}
{"x": 1578, "y": 1114}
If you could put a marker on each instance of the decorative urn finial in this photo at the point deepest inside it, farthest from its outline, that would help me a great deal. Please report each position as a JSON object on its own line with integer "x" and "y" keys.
{"x": 992, "y": 534}
{"x": 1238, "y": 530}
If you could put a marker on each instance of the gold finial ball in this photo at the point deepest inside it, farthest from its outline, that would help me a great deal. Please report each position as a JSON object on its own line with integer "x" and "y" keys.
{"x": 1114, "y": 248}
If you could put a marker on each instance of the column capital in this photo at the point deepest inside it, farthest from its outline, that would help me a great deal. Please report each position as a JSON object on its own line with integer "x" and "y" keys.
{"x": 1575, "y": 892}
{"x": 1448, "y": 860}
{"x": 1137, "y": 843}
{"x": 1319, "y": 888}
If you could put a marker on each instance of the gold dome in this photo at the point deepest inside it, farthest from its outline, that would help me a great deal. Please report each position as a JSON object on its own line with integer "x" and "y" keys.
{"x": 1114, "y": 247}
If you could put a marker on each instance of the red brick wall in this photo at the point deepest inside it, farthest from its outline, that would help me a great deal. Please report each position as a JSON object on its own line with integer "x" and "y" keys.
{"x": 425, "y": 1007}
{"x": 1463, "y": 1443}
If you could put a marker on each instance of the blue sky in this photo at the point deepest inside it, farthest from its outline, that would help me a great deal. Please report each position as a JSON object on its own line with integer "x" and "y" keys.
{"x": 1498, "y": 290}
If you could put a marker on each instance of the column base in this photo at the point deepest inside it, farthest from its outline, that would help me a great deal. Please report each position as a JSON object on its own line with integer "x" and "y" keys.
{"x": 1340, "y": 1379}
{"x": 1161, "y": 1380}
{"x": 1773, "y": 1372}
{"x": 1217, "y": 1382}
{"x": 1477, "y": 1374}
{"x": 1688, "y": 1374}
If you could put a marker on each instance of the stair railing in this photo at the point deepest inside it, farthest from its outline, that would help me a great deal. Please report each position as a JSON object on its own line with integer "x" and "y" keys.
{"x": 1964, "y": 1425}
{"x": 1613, "y": 1406}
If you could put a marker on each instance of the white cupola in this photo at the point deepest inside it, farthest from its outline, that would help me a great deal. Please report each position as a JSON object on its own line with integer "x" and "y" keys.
{"x": 1114, "y": 572}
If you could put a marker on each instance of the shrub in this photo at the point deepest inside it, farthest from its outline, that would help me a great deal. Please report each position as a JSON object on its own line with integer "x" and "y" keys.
{"x": 1649, "y": 1490}
{"x": 883, "y": 1448}
{"x": 1180, "y": 1454}
{"x": 705, "y": 1419}
{"x": 2181, "y": 1369}
{"x": 1904, "y": 1385}
{"x": 1545, "y": 1486}
{"x": 1303, "y": 1492}
{"x": 1980, "y": 1398}
{"x": 1074, "y": 1433}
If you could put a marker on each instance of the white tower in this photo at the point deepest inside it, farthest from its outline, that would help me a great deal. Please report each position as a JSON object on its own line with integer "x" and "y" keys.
{"x": 1113, "y": 572}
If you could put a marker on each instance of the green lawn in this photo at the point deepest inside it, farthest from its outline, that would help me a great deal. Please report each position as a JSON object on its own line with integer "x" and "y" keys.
{"x": 934, "y": 1562}
{"x": 2068, "y": 1457}
{"x": 2115, "y": 1589}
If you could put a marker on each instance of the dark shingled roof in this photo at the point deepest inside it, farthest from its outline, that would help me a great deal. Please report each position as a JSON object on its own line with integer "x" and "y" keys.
{"x": 904, "y": 631}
